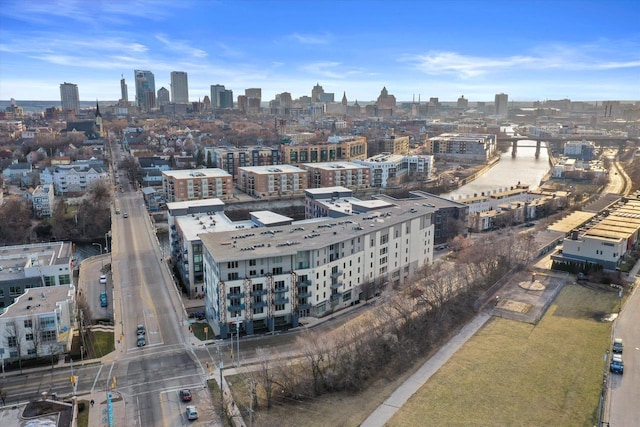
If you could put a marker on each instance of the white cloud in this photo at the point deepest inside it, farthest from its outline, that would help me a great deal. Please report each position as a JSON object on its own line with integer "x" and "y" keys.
{"x": 311, "y": 39}
{"x": 329, "y": 69}
{"x": 588, "y": 57}
{"x": 181, "y": 46}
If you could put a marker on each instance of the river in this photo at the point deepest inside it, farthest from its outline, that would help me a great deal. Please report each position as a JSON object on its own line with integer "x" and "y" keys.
{"x": 509, "y": 171}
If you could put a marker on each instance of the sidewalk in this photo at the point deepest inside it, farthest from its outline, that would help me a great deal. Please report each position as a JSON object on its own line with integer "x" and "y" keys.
{"x": 389, "y": 407}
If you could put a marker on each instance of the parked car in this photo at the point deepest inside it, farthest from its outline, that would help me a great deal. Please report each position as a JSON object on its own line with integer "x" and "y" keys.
{"x": 185, "y": 395}
{"x": 125, "y": 215}
{"x": 103, "y": 299}
{"x": 141, "y": 330}
{"x": 103, "y": 279}
{"x": 617, "y": 345}
{"x": 192, "y": 413}
{"x": 616, "y": 366}
{"x": 142, "y": 341}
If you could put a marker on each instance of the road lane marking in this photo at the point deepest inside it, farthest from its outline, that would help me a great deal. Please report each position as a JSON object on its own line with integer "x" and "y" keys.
{"x": 96, "y": 379}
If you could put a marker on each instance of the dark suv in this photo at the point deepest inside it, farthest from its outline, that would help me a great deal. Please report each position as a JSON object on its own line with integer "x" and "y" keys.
{"x": 616, "y": 366}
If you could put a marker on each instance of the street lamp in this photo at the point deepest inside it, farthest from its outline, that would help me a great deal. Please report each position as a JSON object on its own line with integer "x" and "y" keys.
{"x": 101, "y": 260}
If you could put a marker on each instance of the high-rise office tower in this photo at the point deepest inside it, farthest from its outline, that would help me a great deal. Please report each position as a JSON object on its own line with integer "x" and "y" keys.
{"x": 163, "y": 97}
{"x": 124, "y": 92}
{"x": 216, "y": 90}
{"x": 226, "y": 98}
{"x": 254, "y": 99}
{"x": 179, "y": 87}
{"x": 145, "y": 89}
{"x": 316, "y": 92}
{"x": 501, "y": 104}
{"x": 69, "y": 97}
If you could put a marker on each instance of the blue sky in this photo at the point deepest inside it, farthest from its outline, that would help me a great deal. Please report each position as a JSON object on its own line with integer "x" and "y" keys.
{"x": 531, "y": 50}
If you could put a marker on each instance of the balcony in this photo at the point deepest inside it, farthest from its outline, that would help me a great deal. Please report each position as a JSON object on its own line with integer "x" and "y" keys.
{"x": 336, "y": 274}
{"x": 335, "y": 297}
{"x": 336, "y": 285}
{"x": 305, "y": 306}
{"x": 280, "y": 290}
{"x": 279, "y": 301}
{"x": 259, "y": 292}
{"x": 259, "y": 304}
{"x": 235, "y": 296}
{"x": 303, "y": 283}
{"x": 305, "y": 294}
{"x": 236, "y": 307}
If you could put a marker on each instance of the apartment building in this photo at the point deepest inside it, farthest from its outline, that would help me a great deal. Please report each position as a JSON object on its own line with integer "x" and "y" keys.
{"x": 264, "y": 279}
{"x": 43, "y": 200}
{"x": 468, "y": 146}
{"x": 337, "y": 148}
{"x": 232, "y": 158}
{"x": 188, "y": 220}
{"x": 343, "y": 174}
{"x": 74, "y": 178}
{"x": 384, "y": 169}
{"x": 30, "y": 266}
{"x": 395, "y": 144}
{"x": 272, "y": 181}
{"x": 39, "y": 323}
{"x": 196, "y": 184}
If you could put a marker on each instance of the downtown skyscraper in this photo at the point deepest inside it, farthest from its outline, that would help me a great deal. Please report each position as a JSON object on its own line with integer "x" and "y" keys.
{"x": 179, "y": 87}
{"x": 69, "y": 97}
{"x": 145, "y": 90}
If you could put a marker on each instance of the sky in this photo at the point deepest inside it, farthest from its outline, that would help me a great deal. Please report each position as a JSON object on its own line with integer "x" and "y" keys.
{"x": 531, "y": 50}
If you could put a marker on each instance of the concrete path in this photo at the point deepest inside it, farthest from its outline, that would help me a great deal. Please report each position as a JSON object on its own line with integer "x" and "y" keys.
{"x": 389, "y": 407}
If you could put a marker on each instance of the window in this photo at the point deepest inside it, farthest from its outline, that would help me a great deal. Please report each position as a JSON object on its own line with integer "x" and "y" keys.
{"x": 48, "y": 335}
{"x": 65, "y": 279}
{"x": 258, "y": 310}
{"x": 48, "y": 323}
{"x": 383, "y": 250}
{"x": 235, "y": 290}
{"x": 279, "y": 284}
{"x": 252, "y": 272}
{"x": 28, "y": 323}
{"x": 28, "y": 336}
{"x": 279, "y": 307}
{"x": 12, "y": 341}
{"x": 49, "y": 280}
{"x": 235, "y": 313}
{"x": 277, "y": 270}
{"x": 232, "y": 264}
{"x": 277, "y": 259}
{"x": 15, "y": 290}
{"x": 31, "y": 351}
{"x": 232, "y": 276}
{"x": 252, "y": 262}
{"x": 384, "y": 239}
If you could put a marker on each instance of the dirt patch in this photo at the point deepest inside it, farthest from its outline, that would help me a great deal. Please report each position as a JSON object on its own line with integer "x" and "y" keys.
{"x": 517, "y": 306}
{"x": 535, "y": 285}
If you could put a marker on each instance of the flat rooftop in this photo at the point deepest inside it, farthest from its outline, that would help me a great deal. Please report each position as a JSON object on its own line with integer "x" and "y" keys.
{"x": 197, "y": 173}
{"x": 289, "y": 239}
{"x": 270, "y": 169}
{"x": 330, "y": 166}
{"x": 39, "y": 300}
{"x": 15, "y": 259}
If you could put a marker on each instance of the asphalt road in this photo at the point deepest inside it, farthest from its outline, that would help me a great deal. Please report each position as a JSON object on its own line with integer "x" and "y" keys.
{"x": 624, "y": 392}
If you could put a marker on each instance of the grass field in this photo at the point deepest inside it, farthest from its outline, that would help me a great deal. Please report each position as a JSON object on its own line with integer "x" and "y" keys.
{"x": 509, "y": 373}
{"x": 513, "y": 373}
{"x": 101, "y": 343}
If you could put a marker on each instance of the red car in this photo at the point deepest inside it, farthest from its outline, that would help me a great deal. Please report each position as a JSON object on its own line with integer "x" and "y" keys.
{"x": 185, "y": 395}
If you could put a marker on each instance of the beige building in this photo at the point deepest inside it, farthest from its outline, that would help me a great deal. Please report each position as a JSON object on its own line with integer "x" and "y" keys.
{"x": 395, "y": 144}
{"x": 343, "y": 174}
{"x": 196, "y": 184}
{"x": 272, "y": 181}
{"x": 337, "y": 148}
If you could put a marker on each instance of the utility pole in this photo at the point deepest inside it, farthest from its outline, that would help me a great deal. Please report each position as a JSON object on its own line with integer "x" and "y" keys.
{"x": 238, "y": 323}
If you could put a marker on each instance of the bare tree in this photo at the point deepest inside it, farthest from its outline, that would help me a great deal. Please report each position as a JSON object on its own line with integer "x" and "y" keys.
{"x": 14, "y": 337}
{"x": 266, "y": 375}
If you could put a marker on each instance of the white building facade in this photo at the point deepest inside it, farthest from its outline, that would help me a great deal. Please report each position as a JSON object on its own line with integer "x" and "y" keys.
{"x": 264, "y": 279}
{"x": 39, "y": 323}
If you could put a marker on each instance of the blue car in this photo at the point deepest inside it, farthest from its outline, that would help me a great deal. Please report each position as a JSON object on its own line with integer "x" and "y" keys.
{"x": 103, "y": 299}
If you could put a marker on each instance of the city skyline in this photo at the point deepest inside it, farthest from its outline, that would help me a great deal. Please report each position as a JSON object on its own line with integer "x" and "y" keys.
{"x": 581, "y": 50}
